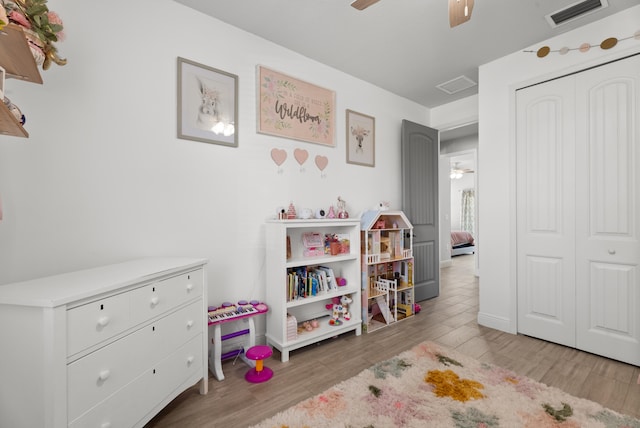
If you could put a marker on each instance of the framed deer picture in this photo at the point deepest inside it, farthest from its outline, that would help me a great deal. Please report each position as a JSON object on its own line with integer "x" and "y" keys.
{"x": 361, "y": 139}
{"x": 207, "y": 104}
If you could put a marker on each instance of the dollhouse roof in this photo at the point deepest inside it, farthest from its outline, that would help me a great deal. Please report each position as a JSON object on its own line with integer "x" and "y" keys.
{"x": 369, "y": 218}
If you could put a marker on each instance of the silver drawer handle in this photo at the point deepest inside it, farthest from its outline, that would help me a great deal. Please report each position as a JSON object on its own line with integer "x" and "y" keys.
{"x": 103, "y": 321}
{"x": 611, "y": 251}
{"x": 104, "y": 375}
{"x": 155, "y": 300}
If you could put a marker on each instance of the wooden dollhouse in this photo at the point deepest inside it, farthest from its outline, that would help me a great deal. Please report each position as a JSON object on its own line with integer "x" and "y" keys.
{"x": 387, "y": 268}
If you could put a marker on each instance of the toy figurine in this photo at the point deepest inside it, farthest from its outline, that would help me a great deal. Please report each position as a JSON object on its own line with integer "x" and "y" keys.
{"x": 345, "y": 301}
{"x": 291, "y": 212}
{"x": 342, "y": 212}
{"x": 332, "y": 213}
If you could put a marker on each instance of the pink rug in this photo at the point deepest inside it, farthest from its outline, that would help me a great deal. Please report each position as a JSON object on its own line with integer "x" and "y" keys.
{"x": 432, "y": 386}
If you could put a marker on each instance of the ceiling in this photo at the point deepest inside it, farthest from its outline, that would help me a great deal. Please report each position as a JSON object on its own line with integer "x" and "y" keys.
{"x": 403, "y": 46}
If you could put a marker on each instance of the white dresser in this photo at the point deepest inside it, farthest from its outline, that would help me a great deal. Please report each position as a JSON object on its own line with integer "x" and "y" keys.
{"x": 103, "y": 347}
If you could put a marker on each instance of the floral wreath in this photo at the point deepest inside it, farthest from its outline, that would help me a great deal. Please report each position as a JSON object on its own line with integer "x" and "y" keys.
{"x": 42, "y": 28}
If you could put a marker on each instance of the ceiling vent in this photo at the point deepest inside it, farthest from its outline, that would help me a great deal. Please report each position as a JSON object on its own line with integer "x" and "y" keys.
{"x": 456, "y": 85}
{"x": 574, "y": 11}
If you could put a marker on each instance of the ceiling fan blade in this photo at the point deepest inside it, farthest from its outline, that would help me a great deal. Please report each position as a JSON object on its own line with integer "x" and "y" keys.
{"x": 459, "y": 11}
{"x": 363, "y": 4}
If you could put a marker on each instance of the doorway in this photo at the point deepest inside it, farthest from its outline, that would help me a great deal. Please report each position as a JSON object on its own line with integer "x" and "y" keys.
{"x": 459, "y": 194}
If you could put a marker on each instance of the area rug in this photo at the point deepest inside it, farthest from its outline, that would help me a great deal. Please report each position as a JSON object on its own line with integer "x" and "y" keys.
{"x": 433, "y": 386}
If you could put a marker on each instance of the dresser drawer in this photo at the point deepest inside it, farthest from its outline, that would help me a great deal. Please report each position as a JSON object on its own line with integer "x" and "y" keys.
{"x": 178, "y": 328}
{"x": 185, "y": 287}
{"x": 135, "y": 399}
{"x": 92, "y": 323}
{"x": 157, "y": 298}
{"x": 94, "y": 377}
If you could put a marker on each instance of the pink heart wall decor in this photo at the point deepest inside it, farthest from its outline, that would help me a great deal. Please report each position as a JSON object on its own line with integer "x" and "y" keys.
{"x": 278, "y": 156}
{"x": 321, "y": 162}
{"x": 301, "y": 155}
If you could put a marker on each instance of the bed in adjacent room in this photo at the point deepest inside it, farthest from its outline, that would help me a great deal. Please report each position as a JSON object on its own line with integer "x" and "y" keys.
{"x": 462, "y": 242}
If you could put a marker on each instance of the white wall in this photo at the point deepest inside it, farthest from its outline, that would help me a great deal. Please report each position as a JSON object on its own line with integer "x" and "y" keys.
{"x": 498, "y": 82}
{"x": 103, "y": 177}
{"x": 456, "y": 113}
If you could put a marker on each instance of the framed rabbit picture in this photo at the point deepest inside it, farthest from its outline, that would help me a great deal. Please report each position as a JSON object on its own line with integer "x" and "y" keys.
{"x": 207, "y": 104}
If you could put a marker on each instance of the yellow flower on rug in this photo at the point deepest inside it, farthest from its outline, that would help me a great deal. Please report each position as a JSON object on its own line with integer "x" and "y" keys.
{"x": 448, "y": 384}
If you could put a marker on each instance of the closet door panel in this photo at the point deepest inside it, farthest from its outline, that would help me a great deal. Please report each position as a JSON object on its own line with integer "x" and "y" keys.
{"x": 545, "y": 212}
{"x": 608, "y": 248}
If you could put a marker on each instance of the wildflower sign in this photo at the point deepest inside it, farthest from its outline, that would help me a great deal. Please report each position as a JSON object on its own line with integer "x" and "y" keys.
{"x": 292, "y": 108}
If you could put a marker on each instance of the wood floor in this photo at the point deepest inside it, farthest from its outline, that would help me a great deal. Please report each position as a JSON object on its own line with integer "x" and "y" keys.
{"x": 449, "y": 319}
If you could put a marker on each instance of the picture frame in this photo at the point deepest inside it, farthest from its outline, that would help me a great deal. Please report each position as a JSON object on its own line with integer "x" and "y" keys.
{"x": 361, "y": 139}
{"x": 207, "y": 104}
{"x": 292, "y": 108}
{"x": 2, "y": 77}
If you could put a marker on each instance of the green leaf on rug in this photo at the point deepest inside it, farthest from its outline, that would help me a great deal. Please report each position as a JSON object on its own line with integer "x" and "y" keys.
{"x": 559, "y": 415}
{"x": 394, "y": 367}
{"x": 377, "y": 392}
{"x": 447, "y": 361}
{"x": 474, "y": 418}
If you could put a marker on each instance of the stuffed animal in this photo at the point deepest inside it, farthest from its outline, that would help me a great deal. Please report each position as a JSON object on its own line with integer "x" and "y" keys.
{"x": 345, "y": 301}
{"x": 336, "y": 308}
{"x": 339, "y": 308}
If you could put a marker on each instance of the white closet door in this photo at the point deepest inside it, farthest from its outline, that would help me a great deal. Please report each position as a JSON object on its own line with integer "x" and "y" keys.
{"x": 608, "y": 217}
{"x": 546, "y": 211}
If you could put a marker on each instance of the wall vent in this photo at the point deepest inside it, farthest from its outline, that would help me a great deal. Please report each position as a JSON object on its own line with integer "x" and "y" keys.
{"x": 456, "y": 85}
{"x": 574, "y": 11}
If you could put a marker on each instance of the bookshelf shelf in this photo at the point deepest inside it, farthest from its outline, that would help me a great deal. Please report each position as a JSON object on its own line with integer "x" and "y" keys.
{"x": 281, "y": 289}
{"x": 319, "y": 260}
{"x": 322, "y": 296}
{"x": 387, "y": 268}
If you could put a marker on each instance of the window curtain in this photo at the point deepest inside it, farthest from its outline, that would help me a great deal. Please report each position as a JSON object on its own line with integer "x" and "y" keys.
{"x": 467, "y": 215}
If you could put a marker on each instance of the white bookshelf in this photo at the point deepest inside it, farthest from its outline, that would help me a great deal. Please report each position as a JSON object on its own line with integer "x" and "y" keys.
{"x": 344, "y": 265}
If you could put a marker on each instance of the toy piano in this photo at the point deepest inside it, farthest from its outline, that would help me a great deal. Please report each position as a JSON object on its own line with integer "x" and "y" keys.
{"x": 228, "y": 312}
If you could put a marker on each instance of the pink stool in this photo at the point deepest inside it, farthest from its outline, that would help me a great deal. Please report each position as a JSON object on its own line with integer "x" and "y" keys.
{"x": 260, "y": 373}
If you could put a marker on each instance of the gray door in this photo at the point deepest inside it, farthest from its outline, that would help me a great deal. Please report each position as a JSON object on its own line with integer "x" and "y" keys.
{"x": 420, "y": 153}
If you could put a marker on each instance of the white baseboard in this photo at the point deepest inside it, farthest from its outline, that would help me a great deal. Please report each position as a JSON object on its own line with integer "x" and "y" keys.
{"x": 497, "y": 323}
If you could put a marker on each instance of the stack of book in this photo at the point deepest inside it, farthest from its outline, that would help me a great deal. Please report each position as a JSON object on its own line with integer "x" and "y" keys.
{"x": 307, "y": 281}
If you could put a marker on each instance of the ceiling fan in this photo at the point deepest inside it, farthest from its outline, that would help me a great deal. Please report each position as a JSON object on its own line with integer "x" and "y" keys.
{"x": 457, "y": 172}
{"x": 459, "y": 10}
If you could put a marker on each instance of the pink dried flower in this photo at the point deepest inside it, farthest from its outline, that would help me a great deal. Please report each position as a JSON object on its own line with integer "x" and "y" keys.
{"x": 19, "y": 18}
{"x": 54, "y": 18}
